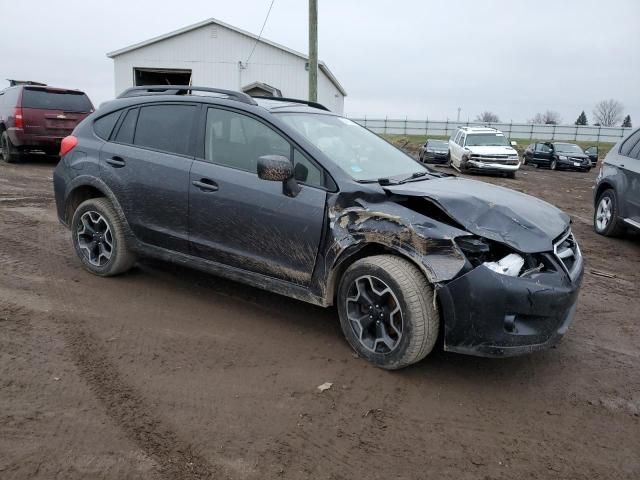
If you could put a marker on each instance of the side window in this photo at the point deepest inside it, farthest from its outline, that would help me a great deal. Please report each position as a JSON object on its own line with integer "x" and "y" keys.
{"x": 629, "y": 143}
{"x": 461, "y": 139}
{"x": 635, "y": 151}
{"x": 457, "y": 138}
{"x": 104, "y": 125}
{"x": 543, "y": 148}
{"x": 306, "y": 172}
{"x": 237, "y": 141}
{"x": 127, "y": 127}
{"x": 166, "y": 128}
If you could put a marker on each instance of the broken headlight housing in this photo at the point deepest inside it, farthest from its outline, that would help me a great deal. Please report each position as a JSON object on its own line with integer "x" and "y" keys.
{"x": 500, "y": 258}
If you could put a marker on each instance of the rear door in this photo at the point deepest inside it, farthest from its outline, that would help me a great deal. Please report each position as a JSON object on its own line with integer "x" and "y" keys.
{"x": 146, "y": 165}
{"x": 52, "y": 112}
{"x": 630, "y": 168}
{"x": 240, "y": 220}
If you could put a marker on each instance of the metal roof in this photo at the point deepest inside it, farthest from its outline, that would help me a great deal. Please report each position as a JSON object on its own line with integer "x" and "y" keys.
{"x": 321, "y": 65}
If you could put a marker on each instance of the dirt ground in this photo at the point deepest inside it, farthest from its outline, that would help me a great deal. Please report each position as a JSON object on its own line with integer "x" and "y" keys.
{"x": 172, "y": 374}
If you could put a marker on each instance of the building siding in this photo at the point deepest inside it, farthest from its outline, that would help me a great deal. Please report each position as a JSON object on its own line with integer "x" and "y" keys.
{"x": 213, "y": 53}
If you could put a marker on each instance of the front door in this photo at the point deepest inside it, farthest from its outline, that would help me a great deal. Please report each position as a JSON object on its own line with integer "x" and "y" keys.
{"x": 239, "y": 220}
{"x": 146, "y": 165}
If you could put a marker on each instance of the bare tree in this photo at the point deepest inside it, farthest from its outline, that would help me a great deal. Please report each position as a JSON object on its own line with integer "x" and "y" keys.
{"x": 547, "y": 118}
{"x": 608, "y": 113}
{"x": 487, "y": 117}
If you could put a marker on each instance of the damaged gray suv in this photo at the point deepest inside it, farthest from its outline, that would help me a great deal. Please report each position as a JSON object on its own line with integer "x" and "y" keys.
{"x": 286, "y": 196}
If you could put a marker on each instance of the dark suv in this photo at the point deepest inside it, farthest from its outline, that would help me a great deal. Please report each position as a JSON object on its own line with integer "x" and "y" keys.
{"x": 286, "y": 196}
{"x": 37, "y": 118}
{"x": 557, "y": 155}
{"x": 617, "y": 190}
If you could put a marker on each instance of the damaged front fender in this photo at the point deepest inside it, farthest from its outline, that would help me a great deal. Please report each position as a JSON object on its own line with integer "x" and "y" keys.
{"x": 361, "y": 223}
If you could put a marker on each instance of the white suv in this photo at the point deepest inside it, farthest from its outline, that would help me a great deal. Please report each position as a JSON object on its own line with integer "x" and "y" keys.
{"x": 483, "y": 149}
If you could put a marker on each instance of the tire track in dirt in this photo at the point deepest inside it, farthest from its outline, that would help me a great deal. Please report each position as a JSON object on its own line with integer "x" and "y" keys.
{"x": 130, "y": 411}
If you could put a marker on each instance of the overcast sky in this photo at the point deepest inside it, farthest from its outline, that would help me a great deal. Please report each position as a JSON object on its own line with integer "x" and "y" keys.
{"x": 414, "y": 58}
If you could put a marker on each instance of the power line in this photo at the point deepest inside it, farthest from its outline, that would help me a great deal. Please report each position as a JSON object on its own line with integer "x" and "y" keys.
{"x": 260, "y": 34}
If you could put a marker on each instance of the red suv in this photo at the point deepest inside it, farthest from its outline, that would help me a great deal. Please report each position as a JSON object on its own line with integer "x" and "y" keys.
{"x": 37, "y": 118}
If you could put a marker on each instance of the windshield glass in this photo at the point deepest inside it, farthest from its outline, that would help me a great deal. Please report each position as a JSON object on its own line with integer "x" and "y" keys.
{"x": 486, "y": 140}
{"x": 438, "y": 144}
{"x": 567, "y": 148}
{"x": 360, "y": 153}
{"x": 56, "y": 100}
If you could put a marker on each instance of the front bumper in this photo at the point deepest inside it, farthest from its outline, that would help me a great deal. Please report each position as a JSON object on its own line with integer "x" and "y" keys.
{"x": 571, "y": 164}
{"x": 492, "y": 315}
{"x": 431, "y": 157}
{"x": 491, "y": 167}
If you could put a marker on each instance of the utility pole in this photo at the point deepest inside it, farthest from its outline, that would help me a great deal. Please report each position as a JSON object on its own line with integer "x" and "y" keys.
{"x": 458, "y": 114}
{"x": 313, "y": 50}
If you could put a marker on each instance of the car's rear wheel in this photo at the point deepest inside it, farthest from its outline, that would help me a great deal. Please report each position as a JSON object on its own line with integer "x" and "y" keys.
{"x": 387, "y": 311}
{"x": 605, "y": 218}
{"x": 8, "y": 151}
{"x": 98, "y": 236}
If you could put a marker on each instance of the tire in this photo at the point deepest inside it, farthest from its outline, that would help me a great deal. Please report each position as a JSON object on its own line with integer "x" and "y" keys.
{"x": 553, "y": 165}
{"x": 608, "y": 225}
{"x": 524, "y": 160}
{"x": 511, "y": 174}
{"x": 120, "y": 258}
{"x": 448, "y": 164}
{"x": 417, "y": 316}
{"x": 8, "y": 151}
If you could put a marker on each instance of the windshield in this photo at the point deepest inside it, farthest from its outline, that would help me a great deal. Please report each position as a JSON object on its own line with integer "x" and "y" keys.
{"x": 438, "y": 144}
{"x": 363, "y": 155}
{"x": 56, "y": 100}
{"x": 486, "y": 140}
{"x": 567, "y": 148}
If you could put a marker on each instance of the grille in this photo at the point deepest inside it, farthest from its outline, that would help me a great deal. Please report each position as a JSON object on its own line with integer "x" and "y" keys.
{"x": 568, "y": 253}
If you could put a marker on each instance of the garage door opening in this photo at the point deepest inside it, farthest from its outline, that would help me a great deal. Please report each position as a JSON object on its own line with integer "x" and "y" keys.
{"x": 161, "y": 76}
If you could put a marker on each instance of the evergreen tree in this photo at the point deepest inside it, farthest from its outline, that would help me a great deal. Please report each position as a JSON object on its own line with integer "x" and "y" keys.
{"x": 582, "y": 119}
{"x": 627, "y": 121}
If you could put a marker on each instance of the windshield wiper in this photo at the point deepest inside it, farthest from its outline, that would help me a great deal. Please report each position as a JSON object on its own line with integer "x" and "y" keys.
{"x": 413, "y": 176}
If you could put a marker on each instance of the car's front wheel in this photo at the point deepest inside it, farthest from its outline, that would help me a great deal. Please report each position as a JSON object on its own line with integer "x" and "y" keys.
{"x": 98, "y": 236}
{"x": 554, "y": 164}
{"x": 387, "y": 311}
{"x": 605, "y": 218}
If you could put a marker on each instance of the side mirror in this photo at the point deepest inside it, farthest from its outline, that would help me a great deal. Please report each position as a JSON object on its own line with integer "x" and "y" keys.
{"x": 276, "y": 168}
{"x": 513, "y": 143}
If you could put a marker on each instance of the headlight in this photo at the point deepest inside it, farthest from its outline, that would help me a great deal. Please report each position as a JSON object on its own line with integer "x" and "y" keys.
{"x": 562, "y": 157}
{"x": 500, "y": 258}
{"x": 510, "y": 265}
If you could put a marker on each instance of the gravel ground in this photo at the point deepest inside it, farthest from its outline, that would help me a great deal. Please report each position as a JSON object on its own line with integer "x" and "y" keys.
{"x": 172, "y": 374}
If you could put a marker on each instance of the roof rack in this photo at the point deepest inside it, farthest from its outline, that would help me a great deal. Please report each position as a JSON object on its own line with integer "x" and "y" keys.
{"x": 184, "y": 90}
{"x": 295, "y": 100}
{"x": 13, "y": 83}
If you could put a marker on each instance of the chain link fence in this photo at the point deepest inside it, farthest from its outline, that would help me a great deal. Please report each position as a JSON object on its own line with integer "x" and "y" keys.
{"x": 516, "y": 131}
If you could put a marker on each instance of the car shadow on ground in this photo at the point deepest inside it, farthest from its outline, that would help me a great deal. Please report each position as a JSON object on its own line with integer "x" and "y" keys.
{"x": 323, "y": 323}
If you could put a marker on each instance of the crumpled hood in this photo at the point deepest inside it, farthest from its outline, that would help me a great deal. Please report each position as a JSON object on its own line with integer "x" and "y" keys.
{"x": 521, "y": 221}
{"x": 492, "y": 150}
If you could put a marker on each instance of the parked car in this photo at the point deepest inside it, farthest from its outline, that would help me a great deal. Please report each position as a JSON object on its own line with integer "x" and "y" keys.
{"x": 37, "y": 118}
{"x": 286, "y": 196}
{"x": 592, "y": 153}
{"x": 483, "y": 149}
{"x": 556, "y": 156}
{"x": 617, "y": 189}
{"x": 434, "y": 151}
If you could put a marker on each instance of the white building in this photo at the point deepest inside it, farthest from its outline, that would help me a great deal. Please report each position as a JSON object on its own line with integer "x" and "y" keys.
{"x": 214, "y": 54}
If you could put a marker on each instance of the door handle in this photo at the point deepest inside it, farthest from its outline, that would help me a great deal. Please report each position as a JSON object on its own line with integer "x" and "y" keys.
{"x": 205, "y": 184}
{"x": 117, "y": 162}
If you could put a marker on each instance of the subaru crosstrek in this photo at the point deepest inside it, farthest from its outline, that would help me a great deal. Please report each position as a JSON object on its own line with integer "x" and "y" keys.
{"x": 286, "y": 196}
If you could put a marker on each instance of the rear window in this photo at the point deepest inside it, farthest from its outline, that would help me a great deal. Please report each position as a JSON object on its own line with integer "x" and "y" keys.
{"x": 52, "y": 100}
